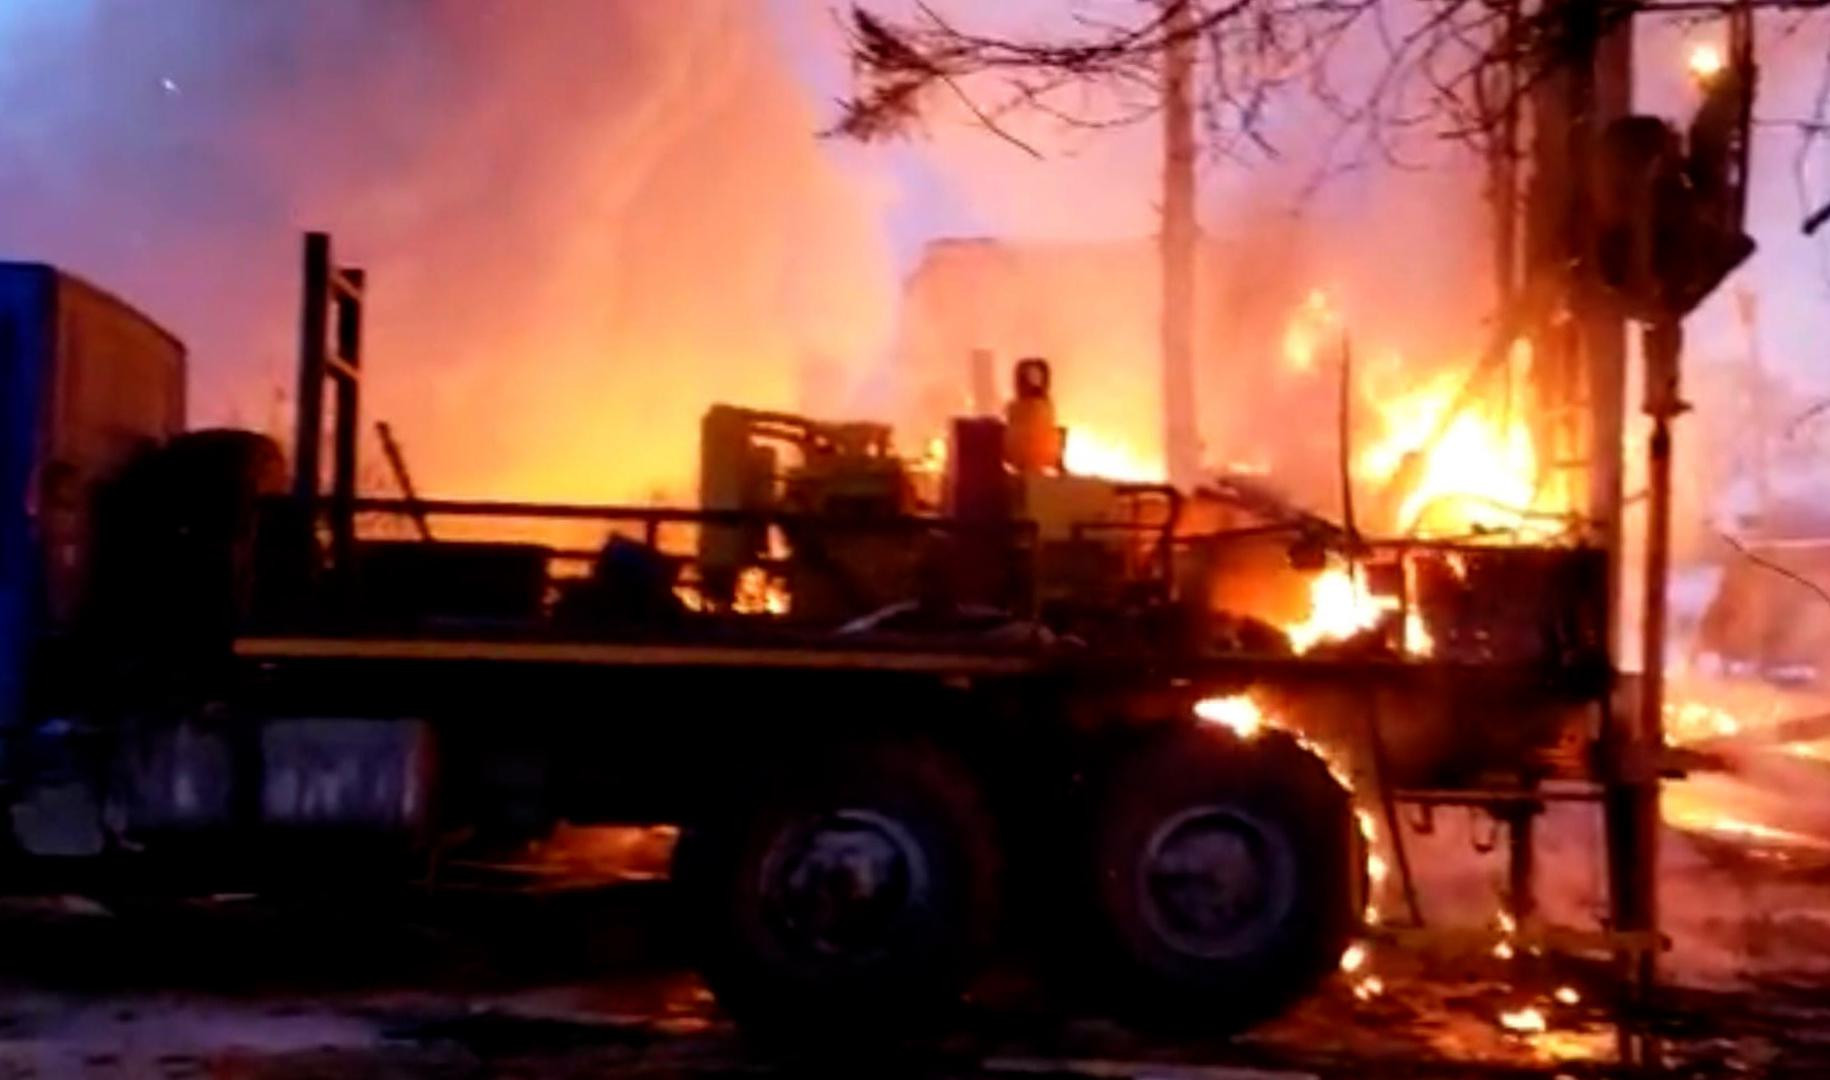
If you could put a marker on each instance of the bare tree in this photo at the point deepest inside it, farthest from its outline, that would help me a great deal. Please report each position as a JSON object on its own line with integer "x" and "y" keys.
{"x": 1454, "y": 69}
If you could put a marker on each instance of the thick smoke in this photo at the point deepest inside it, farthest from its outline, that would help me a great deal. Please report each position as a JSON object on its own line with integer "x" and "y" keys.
{"x": 1402, "y": 257}
{"x": 583, "y": 220}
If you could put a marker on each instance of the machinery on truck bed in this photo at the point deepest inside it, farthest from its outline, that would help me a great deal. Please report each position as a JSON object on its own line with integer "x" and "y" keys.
{"x": 893, "y": 726}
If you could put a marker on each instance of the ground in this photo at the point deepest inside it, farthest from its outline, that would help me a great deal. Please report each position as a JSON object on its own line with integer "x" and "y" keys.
{"x": 587, "y": 981}
{"x": 583, "y": 973}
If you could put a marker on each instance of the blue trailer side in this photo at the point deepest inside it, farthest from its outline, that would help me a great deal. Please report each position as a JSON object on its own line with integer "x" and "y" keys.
{"x": 27, "y": 323}
{"x": 86, "y": 382}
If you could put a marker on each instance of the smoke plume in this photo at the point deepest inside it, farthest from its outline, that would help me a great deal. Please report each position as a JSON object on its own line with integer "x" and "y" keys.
{"x": 583, "y": 221}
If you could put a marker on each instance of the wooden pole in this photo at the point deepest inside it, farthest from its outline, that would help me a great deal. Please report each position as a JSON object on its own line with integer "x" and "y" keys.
{"x": 1180, "y": 230}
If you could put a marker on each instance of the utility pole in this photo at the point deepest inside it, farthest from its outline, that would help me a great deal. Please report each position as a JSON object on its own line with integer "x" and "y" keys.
{"x": 1503, "y": 102}
{"x": 1180, "y": 230}
{"x": 1603, "y": 94}
{"x": 1579, "y": 368}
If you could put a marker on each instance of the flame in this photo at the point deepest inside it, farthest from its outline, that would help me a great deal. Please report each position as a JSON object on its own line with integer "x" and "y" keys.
{"x": 1818, "y": 750}
{"x": 1235, "y": 712}
{"x": 1417, "y": 639}
{"x": 1242, "y": 716}
{"x": 1304, "y": 332}
{"x": 1090, "y": 454}
{"x": 760, "y": 593}
{"x": 1567, "y": 995}
{"x": 1734, "y": 828}
{"x": 1529, "y": 1019}
{"x": 928, "y": 473}
{"x": 1694, "y": 721}
{"x": 1340, "y": 607}
{"x": 1705, "y": 60}
{"x": 1457, "y": 466}
{"x": 1354, "y": 958}
{"x": 1509, "y": 926}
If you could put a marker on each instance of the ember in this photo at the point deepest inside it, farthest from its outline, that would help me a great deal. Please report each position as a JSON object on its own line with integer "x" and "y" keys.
{"x": 1354, "y": 958}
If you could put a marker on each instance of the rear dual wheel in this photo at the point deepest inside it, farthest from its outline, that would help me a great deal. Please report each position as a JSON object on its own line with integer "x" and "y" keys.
{"x": 851, "y": 895}
{"x": 1226, "y": 878}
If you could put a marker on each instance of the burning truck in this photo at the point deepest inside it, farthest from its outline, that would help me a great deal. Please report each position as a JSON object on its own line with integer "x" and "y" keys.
{"x": 897, "y": 706}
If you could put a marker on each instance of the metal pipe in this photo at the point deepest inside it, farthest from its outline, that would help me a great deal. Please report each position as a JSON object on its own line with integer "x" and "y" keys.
{"x": 314, "y": 327}
{"x": 398, "y": 462}
{"x": 348, "y": 300}
{"x": 1662, "y": 343}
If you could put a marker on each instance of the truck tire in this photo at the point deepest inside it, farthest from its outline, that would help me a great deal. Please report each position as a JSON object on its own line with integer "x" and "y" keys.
{"x": 850, "y": 897}
{"x": 1225, "y": 878}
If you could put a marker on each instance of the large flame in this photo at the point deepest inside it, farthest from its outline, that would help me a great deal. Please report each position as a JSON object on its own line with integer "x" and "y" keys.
{"x": 1091, "y": 453}
{"x": 1340, "y": 607}
{"x": 1457, "y": 464}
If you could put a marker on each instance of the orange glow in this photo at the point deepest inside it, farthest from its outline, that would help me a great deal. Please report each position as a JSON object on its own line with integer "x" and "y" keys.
{"x": 1340, "y": 607}
{"x": 1457, "y": 466}
{"x": 1091, "y": 453}
{"x": 1528, "y": 1020}
{"x": 759, "y": 593}
{"x": 1417, "y": 639}
{"x": 1306, "y": 330}
{"x": 1733, "y": 828}
{"x": 1241, "y": 715}
{"x": 1236, "y": 712}
{"x": 1354, "y": 958}
{"x": 1693, "y": 721}
{"x": 928, "y": 473}
{"x": 1705, "y": 60}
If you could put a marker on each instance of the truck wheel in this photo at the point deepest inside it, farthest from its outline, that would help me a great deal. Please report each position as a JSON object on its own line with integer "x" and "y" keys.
{"x": 1225, "y": 877}
{"x": 853, "y": 895}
